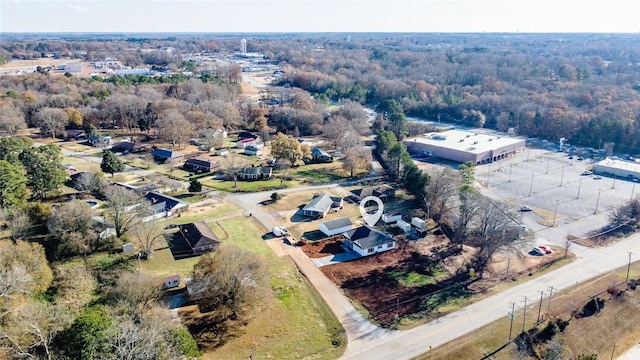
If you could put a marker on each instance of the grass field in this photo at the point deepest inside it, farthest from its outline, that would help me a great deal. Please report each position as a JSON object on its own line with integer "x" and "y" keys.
{"x": 249, "y": 186}
{"x": 295, "y": 323}
{"x": 618, "y": 318}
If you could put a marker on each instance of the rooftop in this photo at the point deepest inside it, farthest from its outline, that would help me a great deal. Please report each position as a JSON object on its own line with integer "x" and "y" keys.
{"x": 366, "y": 237}
{"x": 337, "y": 223}
{"x": 468, "y": 141}
{"x": 619, "y": 164}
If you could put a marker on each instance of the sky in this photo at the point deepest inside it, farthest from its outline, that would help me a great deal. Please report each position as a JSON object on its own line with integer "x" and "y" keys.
{"x": 320, "y": 16}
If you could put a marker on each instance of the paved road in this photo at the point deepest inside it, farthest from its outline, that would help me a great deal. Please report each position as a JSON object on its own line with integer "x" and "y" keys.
{"x": 366, "y": 341}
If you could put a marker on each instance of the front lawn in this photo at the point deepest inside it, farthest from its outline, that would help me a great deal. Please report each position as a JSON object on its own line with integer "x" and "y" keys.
{"x": 249, "y": 186}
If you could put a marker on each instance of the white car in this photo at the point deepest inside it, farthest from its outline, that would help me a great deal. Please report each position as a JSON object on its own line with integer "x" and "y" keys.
{"x": 280, "y": 231}
{"x": 537, "y": 251}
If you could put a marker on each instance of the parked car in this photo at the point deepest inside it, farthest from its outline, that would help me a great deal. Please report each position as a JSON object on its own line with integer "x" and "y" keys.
{"x": 580, "y": 158}
{"x": 280, "y": 231}
{"x": 546, "y": 249}
{"x": 525, "y": 208}
{"x": 537, "y": 251}
{"x": 597, "y": 177}
{"x": 586, "y": 173}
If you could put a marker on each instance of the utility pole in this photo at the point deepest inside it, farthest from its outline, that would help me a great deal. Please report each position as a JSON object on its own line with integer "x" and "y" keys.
{"x": 629, "y": 266}
{"x": 562, "y": 176}
{"x": 524, "y": 315}
{"x": 508, "y": 265}
{"x": 540, "y": 305}
{"x": 549, "y": 304}
{"x": 614, "y": 181}
{"x": 555, "y": 212}
{"x": 531, "y": 186}
{"x": 512, "y": 315}
{"x": 633, "y": 189}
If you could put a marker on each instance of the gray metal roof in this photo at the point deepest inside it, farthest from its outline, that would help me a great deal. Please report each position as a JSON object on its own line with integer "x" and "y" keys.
{"x": 320, "y": 203}
{"x": 337, "y": 223}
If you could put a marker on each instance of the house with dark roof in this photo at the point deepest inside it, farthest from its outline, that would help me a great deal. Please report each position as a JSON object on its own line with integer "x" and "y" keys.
{"x": 164, "y": 155}
{"x": 336, "y": 226}
{"x": 128, "y": 147}
{"x": 321, "y": 156}
{"x": 368, "y": 241}
{"x": 76, "y": 134}
{"x": 97, "y": 140}
{"x": 321, "y": 204}
{"x": 200, "y": 165}
{"x": 247, "y": 135}
{"x": 199, "y": 237}
{"x": 164, "y": 205}
{"x": 255, "y": 173}
{"x": 384, "y": 192}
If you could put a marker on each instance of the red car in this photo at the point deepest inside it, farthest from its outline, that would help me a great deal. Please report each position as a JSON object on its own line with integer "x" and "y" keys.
{"x": 546, "y": 249}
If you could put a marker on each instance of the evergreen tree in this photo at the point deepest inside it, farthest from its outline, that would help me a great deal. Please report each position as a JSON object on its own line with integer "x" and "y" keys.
{"x": 195, "y": 186}
{"x": 110, "y": 163}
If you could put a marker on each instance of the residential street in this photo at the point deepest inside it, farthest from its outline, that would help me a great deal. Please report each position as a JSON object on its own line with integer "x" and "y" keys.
{"x": 367, "y": 341}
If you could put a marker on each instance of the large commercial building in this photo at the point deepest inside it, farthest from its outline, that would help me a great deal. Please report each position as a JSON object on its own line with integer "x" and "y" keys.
{"x": 617, "y": 168}
{"x": 462, "y": 146}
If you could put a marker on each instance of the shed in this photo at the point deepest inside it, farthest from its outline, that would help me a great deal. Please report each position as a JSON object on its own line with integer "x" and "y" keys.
{"x": 405, "y": 226}
{"x": 171, "y": 282}
{"x": 336, "y": 226}
{"x": 391, "y": 218}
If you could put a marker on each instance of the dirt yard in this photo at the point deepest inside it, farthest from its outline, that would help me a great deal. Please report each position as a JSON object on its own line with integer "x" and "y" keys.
{"x": 323, "y": 248}
{"x": 427, "y": 276}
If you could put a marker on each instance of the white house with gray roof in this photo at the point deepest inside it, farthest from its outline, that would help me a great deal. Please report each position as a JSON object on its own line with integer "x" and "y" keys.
{"x": 321, "y": 204}
{"x": 336, "y": 226}
{"x": 368, "y": 241}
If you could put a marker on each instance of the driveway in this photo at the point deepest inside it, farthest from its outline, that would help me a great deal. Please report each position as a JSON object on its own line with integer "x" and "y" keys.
{"x": 336, "y": 258}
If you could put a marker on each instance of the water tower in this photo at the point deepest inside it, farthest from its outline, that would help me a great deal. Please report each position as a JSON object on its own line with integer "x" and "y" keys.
{"x": 243, "y": 46}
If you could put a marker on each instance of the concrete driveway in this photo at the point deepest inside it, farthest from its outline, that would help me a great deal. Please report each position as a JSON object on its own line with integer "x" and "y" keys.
{"x": 336, "y": 258}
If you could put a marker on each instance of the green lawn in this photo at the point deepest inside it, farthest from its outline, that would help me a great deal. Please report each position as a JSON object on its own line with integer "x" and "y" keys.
{"x": 249, "y": 186}
{"x": 319, "y": 175}
{"x": 295, "y": 323}
{"x": 198, "y": 214}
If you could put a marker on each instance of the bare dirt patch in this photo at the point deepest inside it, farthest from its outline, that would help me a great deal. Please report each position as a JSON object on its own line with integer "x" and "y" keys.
{"x": 323, "y": 248}
{"x": 427, "y": 278}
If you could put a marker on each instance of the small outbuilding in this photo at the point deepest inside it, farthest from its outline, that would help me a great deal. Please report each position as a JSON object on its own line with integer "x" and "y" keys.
{"x": 336, "y": 226}
{"x": 171, "y": 282}
{"x": 321, "y": 156}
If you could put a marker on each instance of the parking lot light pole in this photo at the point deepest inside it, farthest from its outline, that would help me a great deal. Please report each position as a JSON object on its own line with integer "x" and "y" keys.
{"x": 531, "y": 186}
{"x": 628, "y": 267}
{"x": 510, "y": 169}
{"x": 555, "y": 211}
{"x": 614, "y": 181}
{"x": 598, "y": 201}
{"x": 562, "y": 176}
{"x": 579, "y": 185}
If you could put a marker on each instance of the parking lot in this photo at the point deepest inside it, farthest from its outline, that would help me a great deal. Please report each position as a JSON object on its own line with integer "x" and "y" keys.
{"x": 543, "y": 180}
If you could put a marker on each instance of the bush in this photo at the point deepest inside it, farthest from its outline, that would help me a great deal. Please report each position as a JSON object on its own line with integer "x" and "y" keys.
{"x": 183, "y": 340}
{"x": 39, "y": 212}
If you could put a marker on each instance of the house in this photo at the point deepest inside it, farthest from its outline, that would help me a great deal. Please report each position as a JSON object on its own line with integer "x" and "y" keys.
{"x": 171, "y": 282}
{"x": 128, "y": 147}
{"x": 336, "y": 226}
{"x": 255, "y": 173}
{"x": 383, "y": 192}
{"x": 163, "y": 205}
{"x": 319, "y": 155}
{"x": 222, "y": 152}
{"x": 321, "y": 204}
{"x": 97, "y": 140}
{"x": 199, "y": 237}
{"x": 244, "y": 143}
{"x": 76, "y": 134}
{"x": 141, "y": 190}
{"x": 252, "y": 150}
{"x": 368, "y": 241}
{"x": 247, "y": 135}
{"x": 200, "y": 165}
{"x": 164, "y": 155}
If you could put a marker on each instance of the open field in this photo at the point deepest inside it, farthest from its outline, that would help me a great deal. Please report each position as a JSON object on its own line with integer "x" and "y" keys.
{"x": 248, "y": 186}
{"x": 295, "y": 323}
{"x": 584, "y": 335}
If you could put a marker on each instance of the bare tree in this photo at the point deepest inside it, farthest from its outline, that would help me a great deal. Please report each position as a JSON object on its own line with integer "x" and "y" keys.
{"x": 90, "y": 182}
{"x": 71, "y": 225}
{"x": 335, "y": 129}
{"x": 357, "y": 158}
{"x": 494, "y": 229}
{"x": 173, "y": 127}
{"x": 144, "y": 338}
{"x": 11, "y": 119}
{"x": 146, "y": 234}
{"x": 20, "y": 223}
{"x": 125, "y": 207}
{"x": 135, "y": 293}
{"x": 51, "y": 120}
{"x": 442, "y": 192}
